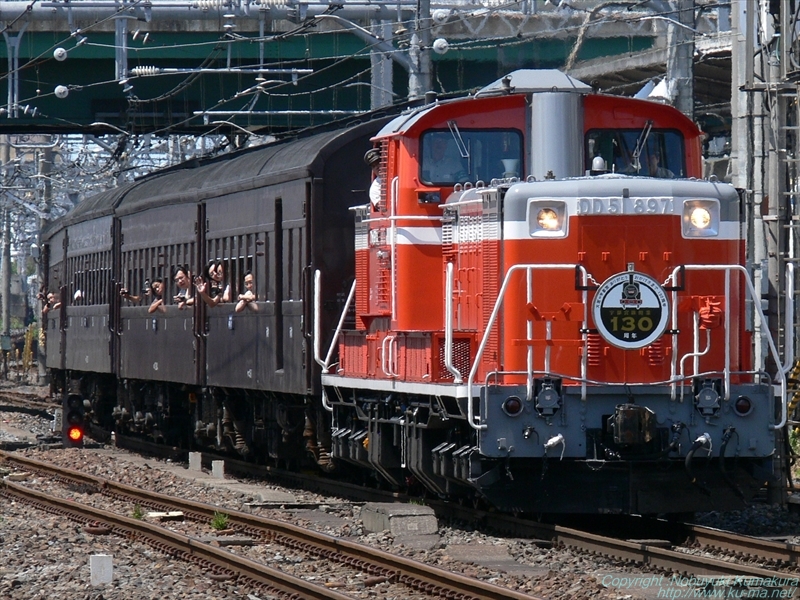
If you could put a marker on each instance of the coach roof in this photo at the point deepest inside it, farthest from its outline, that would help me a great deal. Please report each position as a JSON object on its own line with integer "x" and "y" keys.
{"x": 197, "y": 179}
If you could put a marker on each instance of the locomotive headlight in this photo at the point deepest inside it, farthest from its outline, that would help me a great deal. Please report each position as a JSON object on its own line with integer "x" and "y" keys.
{"x": 700, "y": 218}
{"x": 547, "y": 218}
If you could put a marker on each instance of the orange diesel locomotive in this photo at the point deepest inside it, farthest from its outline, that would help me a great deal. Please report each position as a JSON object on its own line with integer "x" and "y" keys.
{"x": 551, "y": 310}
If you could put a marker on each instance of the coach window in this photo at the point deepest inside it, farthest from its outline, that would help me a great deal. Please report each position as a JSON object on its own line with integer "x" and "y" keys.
{"x": 650, "y": 153}
{"x": 450, "y": 156}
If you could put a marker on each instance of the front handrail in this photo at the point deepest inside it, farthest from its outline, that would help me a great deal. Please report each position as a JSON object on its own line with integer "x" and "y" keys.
{"x": 781, "y": 375}
{"x": 675, "y": 377}
{"x": 490, "y": 324}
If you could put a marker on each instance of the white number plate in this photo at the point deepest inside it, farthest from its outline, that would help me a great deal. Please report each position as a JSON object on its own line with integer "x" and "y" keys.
{"x": 625, "y": 206}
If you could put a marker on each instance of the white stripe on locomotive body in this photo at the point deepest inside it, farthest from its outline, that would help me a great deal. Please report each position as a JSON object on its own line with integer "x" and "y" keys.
{"x": 420, "y": 236}
{"x": 627, "y": 197}
{"x": 512, "y": 230}
{"x": 406, "y": 236}
{"x": 520, "y": 230}
{"x": 450, "y": 390}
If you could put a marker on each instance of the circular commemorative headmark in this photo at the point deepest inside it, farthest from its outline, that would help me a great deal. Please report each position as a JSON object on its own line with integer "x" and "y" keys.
{"x": 630, "y": 310}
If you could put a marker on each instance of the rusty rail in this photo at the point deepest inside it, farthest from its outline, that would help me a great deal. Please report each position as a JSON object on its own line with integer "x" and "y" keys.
{"x": 218, "y": 560}
{"x": 417, "y": 575}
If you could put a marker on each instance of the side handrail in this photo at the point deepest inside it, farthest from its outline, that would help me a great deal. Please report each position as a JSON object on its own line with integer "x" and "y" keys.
{"x": 394, "y": 354}
{"x": 448, "y": 326}
{"x": 325, "y": 364}
{"x": 395, "y": 191}
{"x": 113, "y": 302}
{"x": 788, "y": 324}
{"x": 387, "y": 355}
{"x": 62, "y": 310}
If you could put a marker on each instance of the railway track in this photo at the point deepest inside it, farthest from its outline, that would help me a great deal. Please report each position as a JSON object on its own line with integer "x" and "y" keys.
{"x": 783, "y": 557}
{"x": 30, "y": 403}
{"x": 378, "y": 565}
{"x": 780, "y": 554}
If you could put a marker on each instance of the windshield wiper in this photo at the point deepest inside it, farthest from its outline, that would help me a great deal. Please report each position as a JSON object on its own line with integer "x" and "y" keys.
{"x": 462, "y": 147}
{"x": 640, "y": 143}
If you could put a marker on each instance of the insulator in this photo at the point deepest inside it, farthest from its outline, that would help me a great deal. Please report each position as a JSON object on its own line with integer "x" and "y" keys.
{"x": 272, "y": 2}
{"x": 207, "y": 4}
{"x": 145, "y": 71}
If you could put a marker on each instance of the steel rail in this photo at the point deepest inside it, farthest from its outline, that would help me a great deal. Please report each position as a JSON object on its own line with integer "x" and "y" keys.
{"x": 662, "y": 558}
{"x": 640, "y": 552}
{"x": 783, "y": 552}
{"x": 278, "y": 581}
{"x": 400, "y": 569}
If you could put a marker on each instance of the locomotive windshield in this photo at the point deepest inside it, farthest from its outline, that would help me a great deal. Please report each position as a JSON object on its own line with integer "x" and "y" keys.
{"x": 455, "y": 155}
{"x": 660, "y": 152}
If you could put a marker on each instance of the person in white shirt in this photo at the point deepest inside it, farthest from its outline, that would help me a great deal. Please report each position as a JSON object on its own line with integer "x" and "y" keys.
{"x": 373, "y": 159}
{"x": 440, "y": 163}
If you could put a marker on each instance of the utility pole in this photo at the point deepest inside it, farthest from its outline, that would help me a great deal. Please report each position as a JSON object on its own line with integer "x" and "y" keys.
{"x": 758, "y": 139}
{"x": 44, "y": 167}
{"x": 747, "y": 144}
{"x": 5, "y": 265}
{"x": 382, "y": 69}
{"x": 419, "y": 51}
{"x": 680, "y": 57}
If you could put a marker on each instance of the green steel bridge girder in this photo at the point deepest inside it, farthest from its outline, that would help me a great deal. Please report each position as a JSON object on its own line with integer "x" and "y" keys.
{"x": 338, "y": 82}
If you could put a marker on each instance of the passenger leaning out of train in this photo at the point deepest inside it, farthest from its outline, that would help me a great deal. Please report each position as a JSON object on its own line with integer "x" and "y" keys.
{"x": 126, "y": 294}
{"x": 248, "y": 298}
{"x": 50, "y": 301}
{"x": 211, "y": 288}
{"x": 157, "y": 293}
{"x": 183, "y": 281}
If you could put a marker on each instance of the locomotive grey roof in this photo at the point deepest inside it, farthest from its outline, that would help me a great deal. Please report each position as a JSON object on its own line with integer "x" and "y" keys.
{"x": 521, "y": 81}
{"x": 528, "y": 81}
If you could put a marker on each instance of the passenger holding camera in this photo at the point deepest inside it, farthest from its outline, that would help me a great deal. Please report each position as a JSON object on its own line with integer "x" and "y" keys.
{"x": 50, "y": 301}
{"x": 183, "y": 282}
{"x": 154, "y": 290}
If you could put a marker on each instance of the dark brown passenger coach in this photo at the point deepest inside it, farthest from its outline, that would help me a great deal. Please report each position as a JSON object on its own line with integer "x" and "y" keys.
{"x": 236, "y": 380}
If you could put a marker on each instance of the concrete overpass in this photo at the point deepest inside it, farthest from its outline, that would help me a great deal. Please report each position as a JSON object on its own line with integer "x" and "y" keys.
{"x": 169, "y": 66}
